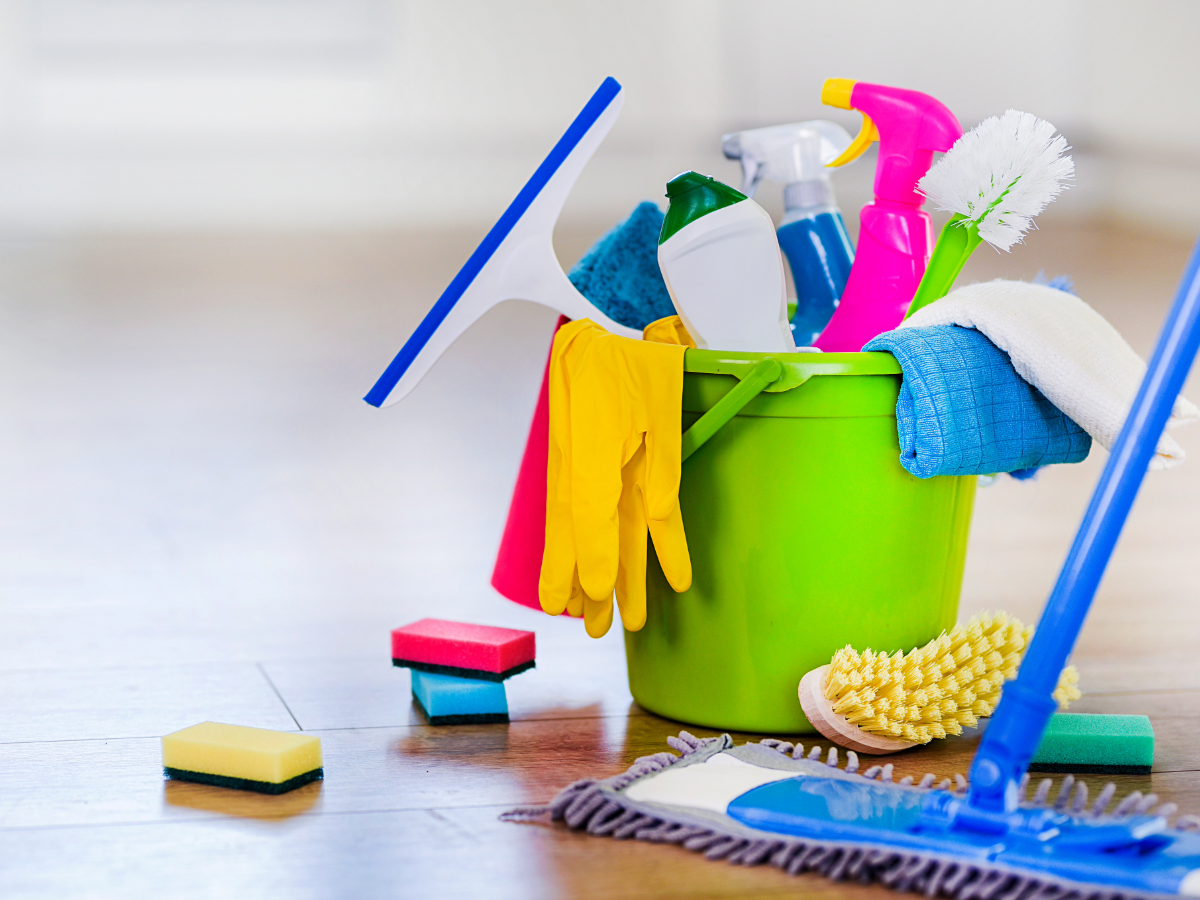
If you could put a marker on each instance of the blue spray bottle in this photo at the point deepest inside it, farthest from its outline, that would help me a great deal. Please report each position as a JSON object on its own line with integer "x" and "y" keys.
{"x": 812, "y": 233}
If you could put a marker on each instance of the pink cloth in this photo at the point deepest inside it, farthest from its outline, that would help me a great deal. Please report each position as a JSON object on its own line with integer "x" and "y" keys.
{"x": 519, "y": 559}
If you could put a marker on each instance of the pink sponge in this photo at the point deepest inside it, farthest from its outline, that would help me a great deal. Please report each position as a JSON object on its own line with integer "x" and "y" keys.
{"x": 468, "y": 651}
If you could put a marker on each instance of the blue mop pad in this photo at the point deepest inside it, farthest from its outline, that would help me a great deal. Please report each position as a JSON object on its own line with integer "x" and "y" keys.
{"x": 963, "y": 409}
{"x": 620, "y": 274}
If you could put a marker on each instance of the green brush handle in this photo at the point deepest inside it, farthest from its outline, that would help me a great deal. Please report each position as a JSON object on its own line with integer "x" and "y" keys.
{"x": 954, "y": 245}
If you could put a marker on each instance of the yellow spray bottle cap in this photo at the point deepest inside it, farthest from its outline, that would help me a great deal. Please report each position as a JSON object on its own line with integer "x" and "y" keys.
{"x": 836, "y": 92}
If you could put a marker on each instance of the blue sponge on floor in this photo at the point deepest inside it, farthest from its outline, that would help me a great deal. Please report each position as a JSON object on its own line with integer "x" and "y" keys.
{"x": 450, "y": 700}
{"x": 620, "y": 273}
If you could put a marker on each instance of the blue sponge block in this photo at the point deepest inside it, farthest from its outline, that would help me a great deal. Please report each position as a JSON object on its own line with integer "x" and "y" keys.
{"x": 449, "y": 700}
{"x": 620, "y": 273}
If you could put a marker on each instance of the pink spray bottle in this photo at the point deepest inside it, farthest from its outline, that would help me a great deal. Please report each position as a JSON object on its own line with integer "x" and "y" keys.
{"x": 896, "y": 235}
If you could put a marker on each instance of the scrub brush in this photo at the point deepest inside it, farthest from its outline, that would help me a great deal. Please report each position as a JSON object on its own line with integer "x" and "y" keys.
{"x": 995, "y": 179}
{"x": 876, "y": 703}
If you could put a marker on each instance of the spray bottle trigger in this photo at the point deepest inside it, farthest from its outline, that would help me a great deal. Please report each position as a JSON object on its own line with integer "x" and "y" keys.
{"x": 866, "y": 136}
{"x": 752, "y": 173}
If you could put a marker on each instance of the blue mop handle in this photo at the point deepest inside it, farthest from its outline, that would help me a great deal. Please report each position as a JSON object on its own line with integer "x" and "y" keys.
{"x": 1017, "y": 727}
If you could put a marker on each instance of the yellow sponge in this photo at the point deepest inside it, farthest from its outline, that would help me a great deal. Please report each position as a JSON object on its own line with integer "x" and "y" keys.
{"x": 248, "y": 759}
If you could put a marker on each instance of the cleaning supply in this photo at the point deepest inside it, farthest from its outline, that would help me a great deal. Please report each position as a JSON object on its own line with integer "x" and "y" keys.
{"x": 721, "y": 262}
{"x": 812, "y": 233}
{"x": 460, "y": 649}
{"x": 1061, "y": 283}
{"x": 247, "y": 759}
{"x": 995, "y": 179}
{"x": 895, "y": 236}
{"x": 964, "y": 410}
{"x": 613, "y": 474}
{"x": 759, "y": 556}
{"x": 876, "y": 703}
{"x": 1062, "y": 347}
{"x": 1088, "y": 742}
{"x": 699, "y": 801}
{"x": 519, "y": 558}
{"x": 515, "y": 260}
{"x": 669, "y": 330}
{"x": 619, "y": 274}
{"x": 991, "y": 843}
{"x": 449, "y": 700}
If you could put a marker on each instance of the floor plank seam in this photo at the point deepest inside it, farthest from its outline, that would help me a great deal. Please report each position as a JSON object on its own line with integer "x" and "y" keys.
{"x": 279, "y": 695}
{"x": 438, "y": 729}
{"x": 308, "y": 814}
{"x": 124, "y": 666}
{"x": 672, "y": 728}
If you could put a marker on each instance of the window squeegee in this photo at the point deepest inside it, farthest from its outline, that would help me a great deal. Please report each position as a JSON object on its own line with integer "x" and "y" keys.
{"x": 516, "y": 260}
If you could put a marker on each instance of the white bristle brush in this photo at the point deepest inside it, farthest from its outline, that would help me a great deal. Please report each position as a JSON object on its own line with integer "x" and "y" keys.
{"x": 995, "y": 179}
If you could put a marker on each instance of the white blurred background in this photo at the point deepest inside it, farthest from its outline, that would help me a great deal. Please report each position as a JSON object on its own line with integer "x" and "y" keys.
{"x": 185, "y": 115}
{"x": 220, "y": 219}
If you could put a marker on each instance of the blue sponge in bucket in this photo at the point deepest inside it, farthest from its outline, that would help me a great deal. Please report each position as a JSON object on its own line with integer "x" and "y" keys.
{"x": 620, "y": 274}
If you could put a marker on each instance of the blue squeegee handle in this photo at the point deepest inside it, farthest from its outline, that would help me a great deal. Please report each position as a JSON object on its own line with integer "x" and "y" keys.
{"x": 1025, "y": 709}
{"x": 575, "y": 132}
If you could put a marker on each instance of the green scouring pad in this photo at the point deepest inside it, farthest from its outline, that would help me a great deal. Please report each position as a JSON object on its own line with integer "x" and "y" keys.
{"x": 1104, "y": 744}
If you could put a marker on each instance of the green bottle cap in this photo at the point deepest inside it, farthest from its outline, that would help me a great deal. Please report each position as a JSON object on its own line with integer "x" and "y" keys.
{"x": 692, "y": 195}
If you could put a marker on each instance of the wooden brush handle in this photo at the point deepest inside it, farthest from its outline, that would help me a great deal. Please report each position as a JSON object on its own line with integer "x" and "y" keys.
{"x": 835, "y": 727}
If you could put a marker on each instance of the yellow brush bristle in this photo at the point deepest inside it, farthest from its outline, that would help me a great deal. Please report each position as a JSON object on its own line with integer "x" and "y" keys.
{"x": 1066, "y": 693}
{"x": 938, "y": 689}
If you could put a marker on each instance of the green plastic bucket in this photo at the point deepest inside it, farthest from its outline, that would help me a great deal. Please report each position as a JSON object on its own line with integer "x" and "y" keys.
{"x": 805, "y": 533}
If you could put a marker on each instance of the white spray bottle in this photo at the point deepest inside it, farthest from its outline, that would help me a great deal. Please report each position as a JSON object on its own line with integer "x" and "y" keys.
{"x": 812, "y": 233}
{"x": 720, "y": 259}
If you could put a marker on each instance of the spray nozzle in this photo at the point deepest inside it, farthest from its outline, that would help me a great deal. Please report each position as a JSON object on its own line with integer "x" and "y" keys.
{"x": 836, "y": 92}
{"x": 910, "y": 127}
{"x": 786, "y": 153}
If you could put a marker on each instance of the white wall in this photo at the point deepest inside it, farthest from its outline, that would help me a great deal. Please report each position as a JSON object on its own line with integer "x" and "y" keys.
{"x": 181, "y": 114}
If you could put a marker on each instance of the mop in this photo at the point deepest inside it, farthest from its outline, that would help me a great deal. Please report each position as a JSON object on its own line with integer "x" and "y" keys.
{"x": 766, "y": 802}
{"x": 515, "y": 260}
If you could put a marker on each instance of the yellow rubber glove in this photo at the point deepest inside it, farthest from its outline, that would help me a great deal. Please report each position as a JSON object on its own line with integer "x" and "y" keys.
{"x": 558, "y": 584}
{"x": 670, "y": 330}
{"x": 613, "y": 474}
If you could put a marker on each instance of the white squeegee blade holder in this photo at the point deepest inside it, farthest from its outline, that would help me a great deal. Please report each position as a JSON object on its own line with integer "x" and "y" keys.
{"x": 600, "y": 101}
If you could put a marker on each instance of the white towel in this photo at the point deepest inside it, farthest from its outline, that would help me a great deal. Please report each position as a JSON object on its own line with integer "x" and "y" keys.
{"x": 1065, "y": 349}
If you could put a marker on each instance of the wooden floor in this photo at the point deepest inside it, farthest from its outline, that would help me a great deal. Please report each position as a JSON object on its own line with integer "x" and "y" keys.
{"x": 201, "y": 520}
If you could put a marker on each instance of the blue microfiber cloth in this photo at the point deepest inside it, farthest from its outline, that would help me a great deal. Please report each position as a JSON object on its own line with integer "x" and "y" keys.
{"x": 964, "y": 410}
{"x": 1064, "y": 283}
{"x": 620, "y": 273}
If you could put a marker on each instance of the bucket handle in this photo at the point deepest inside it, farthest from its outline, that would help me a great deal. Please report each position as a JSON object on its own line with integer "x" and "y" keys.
{"x": 763, "y": 374}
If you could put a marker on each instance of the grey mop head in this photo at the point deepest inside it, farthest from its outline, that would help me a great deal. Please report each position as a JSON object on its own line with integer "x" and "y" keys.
{"x": 601, "y": 808}
{"x": 620, "y": 273}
